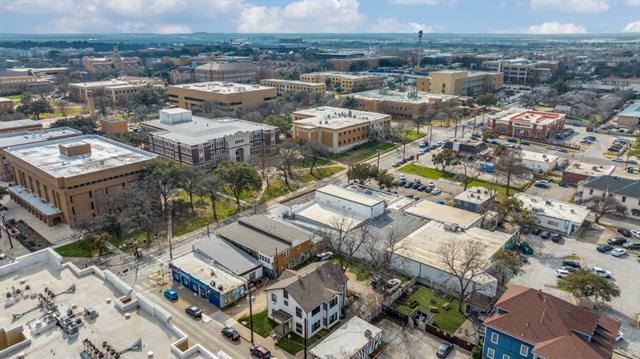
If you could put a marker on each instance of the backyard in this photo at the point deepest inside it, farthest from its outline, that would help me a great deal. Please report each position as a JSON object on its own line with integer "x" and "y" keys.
{"x": 262, "y": 325}
{"x": 426, "y": 299}
{"x": 363, "y": 152}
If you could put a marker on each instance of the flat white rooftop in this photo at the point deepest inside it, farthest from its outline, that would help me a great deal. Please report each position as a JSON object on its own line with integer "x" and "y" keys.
{"x": 350, "y": 196}
{"x": 414, "y": 97}
{"x": 200, "y": 268}
{"x": 526, "y": 116}
{"x": 347, "y": 340}
{"x": 538, "y": 157}
{"x": 423, "y": 244}
{"x": 8, "y": 125}
{"x": 200, "y": 130}
{"x": 336, "y": 117}
{"x": 94, "y": 84}
{"x": 554, "y": 209}
{"x": 293, "y": 82}
{"x": 477, "y": 195}
{"x": 221, "y": 87}
{"x": 24, "y": 137}
{"x": 444, "y": 214}
{"x": 105, "y": 154}
{"x": 345, "y": 75}
{"x": 589, "y": 169}
{"x": 327, "y": 216}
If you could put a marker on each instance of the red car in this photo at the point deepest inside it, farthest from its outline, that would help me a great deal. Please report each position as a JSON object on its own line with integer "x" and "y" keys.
{"x": 259, "y": 351}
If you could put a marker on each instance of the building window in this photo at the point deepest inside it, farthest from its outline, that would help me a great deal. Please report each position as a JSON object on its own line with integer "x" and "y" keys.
{"x": 524, "y": 350}
{"x": 299, "y": 328}
{"x": 298, "y": 312}
{"x": 315, "y": 326}
{"x": 491, "y": 353}
{"x": 285, "y": 294}
{"x": 591, "y": 191}
{"x": 315, "y": 311}
{"x": 624, "y": 199}
{"x": 494, "y": 338}
{"x": 505, "y": 356}
{"x": 274, "y": 298}
{"x": 286, "y": 303}
{"x": 333, "y": 302}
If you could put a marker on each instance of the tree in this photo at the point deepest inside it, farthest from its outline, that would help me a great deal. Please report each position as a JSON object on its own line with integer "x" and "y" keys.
{"x": 362, "y": 172}
{"x": 35, "y": 107}
{"x": 163, "y": 174}
{"x": 587, "y": 284}
{"x": 3, "y": 191}
{"x": 509, "y": 163}
{"x": 381, "y": 251}
{"x": 95, "y": 242}
{"x": 210, "y": 185}
{"x": 385, "y": 179}
{"x": 103, "y": 104}
{"x": 314, "y": 151}
{"x": 506, "y": 264}
{"x": 86, "y": 125}
{"x": 339, "y": 239}
{"x": 605, "y": 205}
{"x": 350, "y": 102}
{"x": 463, "y": 259}
{"x": 485, "y": 101}
{"x": 239, "y": 177}
{"x": 188, "y": 179}
{"x": 149, "y": 96}
{"x": 62, "y": 107}
{"x": 444, "y": 159}
{"x": 419, "y": 120}
{"x": 469, "y": 173}
{"x": 288, "y": 152}
{"x": 514, "y": 210}
{"x": 634, "y": 150}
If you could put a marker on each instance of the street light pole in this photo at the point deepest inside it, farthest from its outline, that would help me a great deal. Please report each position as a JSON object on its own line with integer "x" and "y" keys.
{"x": 250, "y": 311}
{"x": 378, "y": 165}
{"x": 170, "y": 229}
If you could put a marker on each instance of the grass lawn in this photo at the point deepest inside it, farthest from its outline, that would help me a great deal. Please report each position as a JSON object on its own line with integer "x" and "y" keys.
{"x": 363, "y": 152}
{"x": 411, "y": 135}
{"x": 319, "y": 174}
{"x": 16, "y": 98}
{"x": 74, "y": 250}
{"x": 295, "y": 343}
{"x": 69, "y": 112}
{"x": 262, "y": 325}
{"x": 186, "y": 222}
{"x": 449, "y": 320}
{"x": 306, "y": 163}
{"x": 277, "y": 187}
{"x": 362, "y": 272}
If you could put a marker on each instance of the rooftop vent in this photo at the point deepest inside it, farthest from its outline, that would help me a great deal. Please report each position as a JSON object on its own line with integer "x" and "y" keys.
{"x": 74, "y": 148}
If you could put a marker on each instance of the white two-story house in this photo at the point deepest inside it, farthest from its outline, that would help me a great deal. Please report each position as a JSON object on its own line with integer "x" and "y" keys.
{"x": 625, "y": 190}
{"x": 311, "y": 298}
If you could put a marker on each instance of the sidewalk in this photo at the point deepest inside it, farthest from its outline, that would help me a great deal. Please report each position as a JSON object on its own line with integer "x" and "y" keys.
{"x": 268, "y": 343}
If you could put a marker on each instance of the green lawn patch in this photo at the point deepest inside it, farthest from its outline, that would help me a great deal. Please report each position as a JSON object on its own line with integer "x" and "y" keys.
{"x": 449, "y": 320}
{"x": 262, "y": 325}
{"x": 294, "y": 343}
{"x": 276, "y": 189}
{"x": 306, "y": 163}
{"x": 319, "y": 173}
{"x": 74, "y": 249}
{"x": 17, "y": 98}
{"x": 363, "y": 152}
{"x": 185, "y": 222}
{"x": 361, "y": 271}
{"x": 572, "y": 257}
{"x": 411, "y": 135}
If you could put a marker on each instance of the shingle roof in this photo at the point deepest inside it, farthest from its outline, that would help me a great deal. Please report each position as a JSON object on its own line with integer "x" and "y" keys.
{"x": 616, "y": 185}
{"x": 313, "y": 285}
{"x": 550, "y": 324}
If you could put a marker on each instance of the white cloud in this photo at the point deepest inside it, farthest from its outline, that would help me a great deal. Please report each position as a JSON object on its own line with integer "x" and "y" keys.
{"x": 172, "y": 29}
{"x": 302, "y": 16}
{"x": 392, "y": 25}
{"x": 575, "y": 6}
{"x": 415, "y": 2}
{"x": 632, "y": 27}
{"x": 555, "y": 27}
{"x": 633, "y": 2}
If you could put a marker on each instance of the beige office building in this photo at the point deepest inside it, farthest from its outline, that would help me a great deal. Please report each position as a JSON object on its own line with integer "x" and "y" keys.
{"x": 523, "y": 71}
{"x": 229, "y": 72}
{"x": 283, "y": 86}
{"x": 112, "y": 89}
{"x": 227, "y": 95}
{"x": 37, "y": 71}
{"x": 19, "y": 84}
{"x": 69, "y": 179}
{"x": 6, "y": 105}
{"x": 339, "y": 129}
{"x": 400, "y": 105}
{"x": 347, "y": 82}
{"x": 461, "y": 83}
{"x": 347, "y": 64}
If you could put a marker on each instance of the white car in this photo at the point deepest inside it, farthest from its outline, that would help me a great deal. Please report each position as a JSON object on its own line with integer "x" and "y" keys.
{"x": 601, "y": 272}
{"x": 561, "y": 273}
{"x": 435, "y": 191}
{"x": 403, "y": 178}
{"x": 618, "y": 252}
{"x": 635, "y": 233}
{"x": 620, "y": 336}
{"x": 2, "y": 256}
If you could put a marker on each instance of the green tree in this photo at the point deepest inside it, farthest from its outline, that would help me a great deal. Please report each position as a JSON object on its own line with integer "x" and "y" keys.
{"x": 314, "y": 151}
{"x": 239, "y": 177}
{"x": 163, "y": 174}
{"x": 386, "y": 180}
{"x": 86, "y": 125}
{"x": 149, "y": 96}
{"x": 362, "y": 172}
{"x": 444, "y": 159}
{"x": 188, "y": 180}
{"x": 589, "y": 285}
{"x": 35, "y": 107}
{"x": 210, "y": 185}
{"x": 282, "y": 122}
{"x": 350, "y": 102}
{"x": 634, "y": 150}
{"x": 601, "y": 206}
{"x": 485, "y": 101}
{"x": 506, "y": 263}
{"x": 560, "y": 86}
{"x": 95, "y": 242}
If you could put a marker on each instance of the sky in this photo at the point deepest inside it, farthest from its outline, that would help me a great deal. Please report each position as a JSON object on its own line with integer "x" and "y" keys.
{"x": 320, "y": 16}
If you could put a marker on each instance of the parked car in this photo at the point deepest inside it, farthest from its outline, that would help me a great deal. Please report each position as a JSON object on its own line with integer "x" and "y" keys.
{"x": 397, "y": 163}
{"x": 170, "y": 294}
{"x": 604, "y": 248}
{"x": 444, "y": 349}
{"x": 619, "y": 336}
{"x": 525, "y": 143}
{"x": 556, "y": 237}
{"x": 536, "y": 231}
{"x": 635, "y": 233}
{"x": 422, "y": 144}
{"x": 617, "y": 241}
{"x": 561, "y": 273}
{"x": 440, "y": 201}
{"x": 3, "y": 256}
{"x": 435, "y": 191}
{"x": 545, "y": 235}
{"x": 193, "y": 311}
{"x": 571, "y": 263}
{"x": 230, "y": 333}
{"x": 618, "y": 252}
{"x": 625, "y": 232}
{"x": 569, "y": 269}
{"x": 632, "y": 245}
{"x": 415, "y": 185}
{"x": 324, "y": 256}
{"x": 601, "y": 272}
{"x": 260, "y": 352}
{"x": 402, "y": 177}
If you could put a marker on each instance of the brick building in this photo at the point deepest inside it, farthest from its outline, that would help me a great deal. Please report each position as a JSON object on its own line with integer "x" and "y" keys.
{"x": 537, "y": 125}
{"x": 228, "y": 96}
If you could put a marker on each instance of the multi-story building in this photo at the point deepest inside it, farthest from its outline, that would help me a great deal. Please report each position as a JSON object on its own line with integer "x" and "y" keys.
{"x": 19, "y": 84}
{"x": 41, "y": 71}
{"x": 114, "y": 62}
{"x": 283, "y": 86}
{"x": 339, "y": 129}
{"x": 203, "y": 142}
{"x": 476, "y": 199}
{"x": 346, "y": 82}
{"x": 577, "y": 172}
{"x": 625, "y": 190}
{"x": 6, "y": 105}
{"x": 67, "y": 180}
{"x": 523, "y": 71}
{"x": 537, "y": 125}
{"x": 278, "y": 245}
{"x": 226, "y": 72}
{"x": 113, "y": 89}
{"x": 400, "y": 105}
{"x": 20, "y": 125}
{"x": 629, "y": 117}
{"x": 228, "y": 96}
{"x": 359, "y": 63}
{"x": 460, "y": 82}
{"x": 312, "y": 298}
{"x": 10, "y": 139}
{"x": 529, "y": 323}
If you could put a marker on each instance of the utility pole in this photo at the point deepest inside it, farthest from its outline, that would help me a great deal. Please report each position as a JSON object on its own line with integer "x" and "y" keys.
{"x": 4, "y": 223}
{"x": 250, "y": 311}
{"x": 378, "y": 165}
{"x": 305, "y": 338}
{"x": 170, "y": 229}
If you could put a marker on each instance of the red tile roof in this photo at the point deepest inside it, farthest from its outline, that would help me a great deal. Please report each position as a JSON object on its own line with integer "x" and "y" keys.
{"x": 550, "y": 324}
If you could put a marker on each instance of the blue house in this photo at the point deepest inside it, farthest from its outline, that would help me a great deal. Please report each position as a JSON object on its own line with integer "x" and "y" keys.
{"x": 214, "y": 283}
{"x": 528, "y": 323}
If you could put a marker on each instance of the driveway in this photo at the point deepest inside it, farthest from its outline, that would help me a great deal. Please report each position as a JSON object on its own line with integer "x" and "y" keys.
{"x": 540, "y": 274}
{"x": 409, "y": 343}
{"x": 554, "y": 191}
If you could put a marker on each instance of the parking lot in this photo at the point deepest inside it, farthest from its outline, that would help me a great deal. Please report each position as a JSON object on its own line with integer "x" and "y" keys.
{"x": 554, "y": 191}
{"x": 408, "y": 343}
{"x": 540, "y": 273}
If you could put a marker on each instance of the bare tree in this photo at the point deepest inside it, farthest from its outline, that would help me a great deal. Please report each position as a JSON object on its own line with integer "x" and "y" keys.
{"x": 509, "y": 163}
{"x": 188, "y": 179}
{"x": 469, "y": 172}
{"x": 463, "y": 260}
{"x": 381, "y": 251}
{"x": 340, "y": 239}
{"x": 288, "y": 153}
{"x": 264, "y": 162}
{"x": 602, "y": 206}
